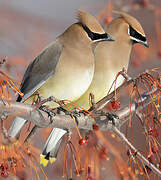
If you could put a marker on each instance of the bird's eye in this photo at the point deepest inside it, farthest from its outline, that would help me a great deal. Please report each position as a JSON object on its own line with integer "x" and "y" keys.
{"x": 137, "y": 36}
{"x": 94, "y": 36}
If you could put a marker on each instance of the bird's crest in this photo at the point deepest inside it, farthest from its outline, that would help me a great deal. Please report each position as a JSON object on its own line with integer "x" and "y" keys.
{"x": 131, "y": 21}
{"x": 90, "y": 21}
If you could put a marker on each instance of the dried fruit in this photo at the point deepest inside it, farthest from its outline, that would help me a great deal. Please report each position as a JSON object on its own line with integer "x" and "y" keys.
{"x": 148, "y": 170}
{"x": 155, "y": 149}
{"x": 152, "y": 158}
{"x": 95, "y": 127}
{"x": 82, "y": 141}
{"x": 144, "y": 3}
{"x": 159, "y": 53}
{"x": 115, "y": 104}
{"x": 103, "y": 153}
{"x": 4, "y": 171}
{"x": 154, "y": 132}
{"x": 108, "y": 19}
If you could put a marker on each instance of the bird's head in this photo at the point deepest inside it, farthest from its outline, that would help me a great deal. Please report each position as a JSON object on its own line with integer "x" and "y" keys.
{"x": 135, "y": 30}
{"x": 92, "y": 28}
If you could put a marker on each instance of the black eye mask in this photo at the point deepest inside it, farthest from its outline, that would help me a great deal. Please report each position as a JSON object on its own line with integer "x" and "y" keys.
{"x": 94, "y": 36}
{"x": 136, "y": 35}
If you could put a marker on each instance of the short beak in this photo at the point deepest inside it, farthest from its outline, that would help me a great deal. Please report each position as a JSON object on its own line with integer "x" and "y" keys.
{"x": 145, "y": 44}
{"x": 109, "y": 38}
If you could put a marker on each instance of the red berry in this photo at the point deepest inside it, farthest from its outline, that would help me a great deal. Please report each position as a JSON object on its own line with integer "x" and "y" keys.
{"x": 82, "y": 141}
{"x": 2, "y": 167}
{"x": 155, "y": 149}
{"x": 147, "y": 169}
{"x": 144, "y": 3}
{"x": 89, "y": 170}
{"x": 115, "y": 104}
{"x": 128, "y": 152}
{"x": 103, "y": 153}
{"x": 159, "y": 53}
{"x": 154, "y": 132}
{"x": 152, "y": 158}
{"x": 5, "y": 173}
{"x": 108, "y": 19}
{"x": 95, "y": 127}
{"x": 102, "y": 156}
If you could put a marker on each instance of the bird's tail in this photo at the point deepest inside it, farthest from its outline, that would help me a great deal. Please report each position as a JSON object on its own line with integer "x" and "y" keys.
{"x": 16, "y": 127}
{"x": 51, "y": 146}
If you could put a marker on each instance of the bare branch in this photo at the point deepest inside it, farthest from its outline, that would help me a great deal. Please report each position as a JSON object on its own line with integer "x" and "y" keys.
{"x": 41, "y": 120}
{"x": 136, "y": 152}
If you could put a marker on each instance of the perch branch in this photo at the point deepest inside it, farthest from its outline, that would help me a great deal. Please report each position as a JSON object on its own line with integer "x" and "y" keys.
{"x": 41, "y": 120}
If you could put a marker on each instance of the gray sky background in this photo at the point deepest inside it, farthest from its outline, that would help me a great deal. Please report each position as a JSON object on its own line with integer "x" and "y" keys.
{"x": 23, "y": 20}
{"x": 63, "y": 9}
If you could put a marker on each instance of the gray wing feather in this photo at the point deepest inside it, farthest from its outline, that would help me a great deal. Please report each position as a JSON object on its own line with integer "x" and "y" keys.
{"x": 40, "y": 70}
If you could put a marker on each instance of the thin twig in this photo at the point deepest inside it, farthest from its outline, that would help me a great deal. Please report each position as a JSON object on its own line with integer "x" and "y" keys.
{"x": 136, "y": 152}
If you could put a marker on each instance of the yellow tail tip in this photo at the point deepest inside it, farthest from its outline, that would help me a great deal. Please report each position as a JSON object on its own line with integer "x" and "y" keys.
{"x": 52, "y": 159}
{"x": 43, "y": 161}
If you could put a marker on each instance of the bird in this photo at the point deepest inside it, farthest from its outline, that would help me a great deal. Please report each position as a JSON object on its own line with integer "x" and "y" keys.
{"x": 64, "y": 69}
{"x": 110, "y": 58}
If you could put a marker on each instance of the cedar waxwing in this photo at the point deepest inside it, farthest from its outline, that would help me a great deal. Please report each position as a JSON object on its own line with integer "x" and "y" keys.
{"x": 110, "y": 58}
{"x": 64, "y": 69}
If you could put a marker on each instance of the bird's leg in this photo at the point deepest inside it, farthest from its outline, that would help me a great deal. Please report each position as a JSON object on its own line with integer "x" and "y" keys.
{"x": 123, "y": 72}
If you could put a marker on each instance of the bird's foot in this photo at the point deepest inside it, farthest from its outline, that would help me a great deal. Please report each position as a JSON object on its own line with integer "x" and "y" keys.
{"x": 74, "y": 113}
{"x": 112, "y": 117}
{"x": 51, "y": 112}
{"x": 61, "y": 110}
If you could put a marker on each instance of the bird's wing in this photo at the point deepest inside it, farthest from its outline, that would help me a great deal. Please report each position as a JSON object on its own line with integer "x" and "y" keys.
{"x": 40, "y": 70}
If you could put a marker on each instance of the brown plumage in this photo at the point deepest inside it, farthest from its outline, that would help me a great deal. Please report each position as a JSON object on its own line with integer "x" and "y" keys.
{"x": 131, "y": 21}
{"x": 64, "y": 69}
{"x": 110, "y": 58}
{"x": 92, "y": 24}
